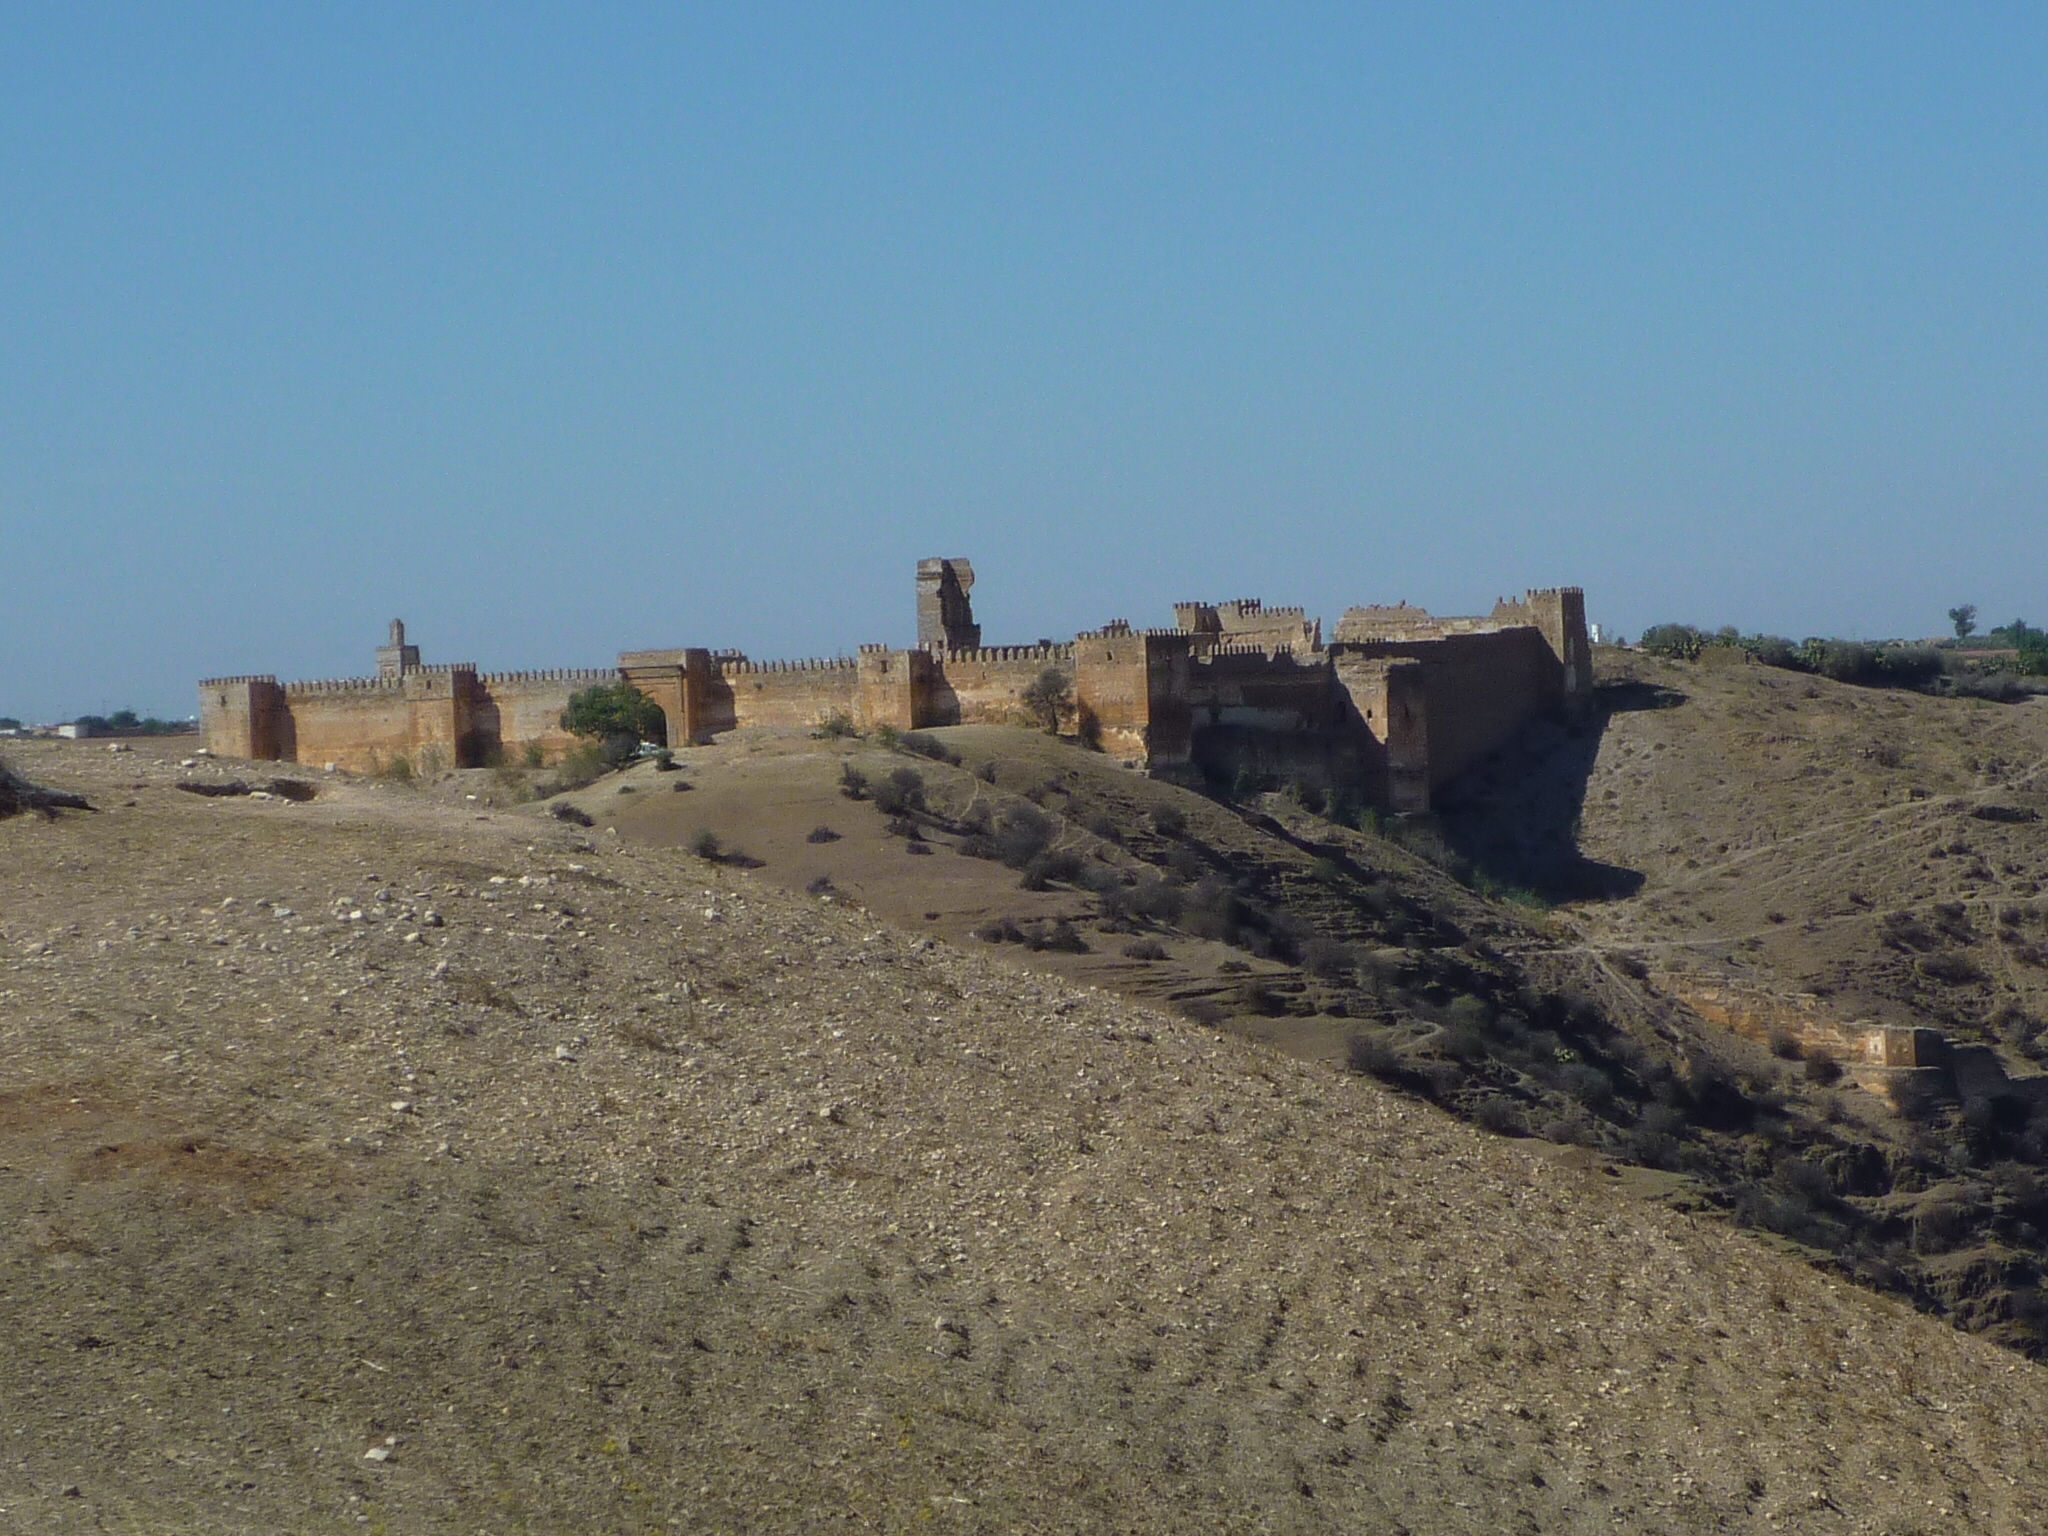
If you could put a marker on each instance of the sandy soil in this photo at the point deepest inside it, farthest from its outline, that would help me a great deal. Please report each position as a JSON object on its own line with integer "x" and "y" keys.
{"x": 601, "y": 1189}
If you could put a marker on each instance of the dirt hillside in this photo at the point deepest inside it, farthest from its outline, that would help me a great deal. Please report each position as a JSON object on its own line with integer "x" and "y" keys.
{"x": 383, "y": 1163}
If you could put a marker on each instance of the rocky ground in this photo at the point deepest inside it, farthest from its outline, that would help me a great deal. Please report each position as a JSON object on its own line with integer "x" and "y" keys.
{"x": 385, "y": 1162}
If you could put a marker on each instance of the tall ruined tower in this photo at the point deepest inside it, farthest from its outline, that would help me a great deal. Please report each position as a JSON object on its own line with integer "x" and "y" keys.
{"x": 397, "y": 658}
{"x": 945, "y": 617}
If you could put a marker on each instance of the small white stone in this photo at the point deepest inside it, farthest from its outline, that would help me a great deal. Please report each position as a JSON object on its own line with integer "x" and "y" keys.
{"x": 562, "y": 1053}
{"x": 401, "y": 1106}
{"x": 412, "y": 938}
{"x": 377, "y": 1453}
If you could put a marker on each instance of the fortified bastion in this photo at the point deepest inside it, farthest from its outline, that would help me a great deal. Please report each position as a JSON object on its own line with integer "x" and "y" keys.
{"x": 1397, "y": 702}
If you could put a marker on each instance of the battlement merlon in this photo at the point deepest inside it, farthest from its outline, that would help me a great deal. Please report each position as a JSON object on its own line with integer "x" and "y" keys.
{"x": 1248, "y": 621}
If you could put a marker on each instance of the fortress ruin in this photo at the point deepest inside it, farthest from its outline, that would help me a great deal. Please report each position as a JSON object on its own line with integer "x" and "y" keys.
{"x": 1397, "y": 703}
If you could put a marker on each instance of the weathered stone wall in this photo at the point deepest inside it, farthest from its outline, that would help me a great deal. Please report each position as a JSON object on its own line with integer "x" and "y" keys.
{"x": 1387, "y": 700}
{"x": 1402, "y": 703}
{"x": 519, "y": 710}
{"x": 1483, "y": 689}
{"x": 1251, "y": 689}
{"x": 945, "y": 611}
{"x": 791, "y": 694}
{"x": 1131, "y": 695}
{"x": 986, "y": 687}
{"x": 1248, "y": 622}
{"x": 245, "y": 717}
{"x": 354, "y": 723}
{"x": 895, "y": 688}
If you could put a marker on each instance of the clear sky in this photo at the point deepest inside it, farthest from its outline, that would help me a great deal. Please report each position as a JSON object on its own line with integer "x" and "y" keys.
{"x": 561, "y": 330}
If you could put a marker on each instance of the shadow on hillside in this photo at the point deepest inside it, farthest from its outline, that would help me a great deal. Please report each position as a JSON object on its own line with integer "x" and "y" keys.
{"x": 1516, "y": 818}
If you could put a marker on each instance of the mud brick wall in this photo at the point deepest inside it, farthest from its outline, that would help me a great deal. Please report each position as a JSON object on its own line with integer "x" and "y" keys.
{"x": 986, "y": 687}
{"x": 445, "y": 704}
{"x": 794, "y": 694}
{"x": 1132, "y": 692}
{"x": 245, "y": 717}
{"x": 1387, "y": 701}
{"x": 353, "y": 723}
{"x": 895, "y": 688}
{"x": 1482, "y": 689}
{"x": 1254, "y": 691}
{"x": 524, "y": 709}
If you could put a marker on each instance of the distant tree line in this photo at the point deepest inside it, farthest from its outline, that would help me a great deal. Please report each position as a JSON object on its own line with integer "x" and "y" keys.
{"x": 125, "y": 722}
{"x": 1870, "y": 663}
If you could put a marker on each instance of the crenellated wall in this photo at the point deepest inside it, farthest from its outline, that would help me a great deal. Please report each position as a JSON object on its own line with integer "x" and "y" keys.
{"x": 1401, "y": 702}
{"x": 787, "y": 693}
{"x": 519, "y": 711}
{"x": 986, "y": 686}
{"x": 431, "y": 717}
{"x": 1131, "y": 694}
{"x": 244, "y": 717}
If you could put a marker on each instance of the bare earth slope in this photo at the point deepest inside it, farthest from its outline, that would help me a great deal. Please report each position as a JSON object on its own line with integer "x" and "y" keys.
{"x": 1777, "y": 821}
{"x": 636, "y": 1195}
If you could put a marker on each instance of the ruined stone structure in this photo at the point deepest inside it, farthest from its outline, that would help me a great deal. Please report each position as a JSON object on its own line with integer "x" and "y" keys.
{"x": 1396, "y": 704}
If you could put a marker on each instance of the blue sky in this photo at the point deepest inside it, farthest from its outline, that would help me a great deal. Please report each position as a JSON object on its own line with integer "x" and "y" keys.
{"x": 566, "y": 330}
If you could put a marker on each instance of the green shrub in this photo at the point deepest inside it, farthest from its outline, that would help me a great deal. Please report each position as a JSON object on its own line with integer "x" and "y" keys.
{"x": 615, "y": 709}
{"x": 535, "y": 755}
{"x": 1679, "y": 641}
{"x": 918, "y": 743}
{"x": 1326, "y": 958}
{"x": 900, "y": 793}
{"x": 1045, "y": 701}
{"x": 705, "y": 846}
{"x": 1145, "y": 949}
{"x": 1063, "y": 867}
{"x": 852, "y": 782}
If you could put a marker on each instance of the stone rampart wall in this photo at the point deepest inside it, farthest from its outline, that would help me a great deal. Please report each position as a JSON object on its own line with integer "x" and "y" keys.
{"x": 360, "y": 726}
{"x": 1404, "y": 701}
{"x": 986, "y": 687}
{"x": 797, "y": 694}
{"x": 520, "y": 710}
{"x": 1131, "y": 695}
{"x": 1247, "y": 688}
{"x": 1482, "y": 690}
